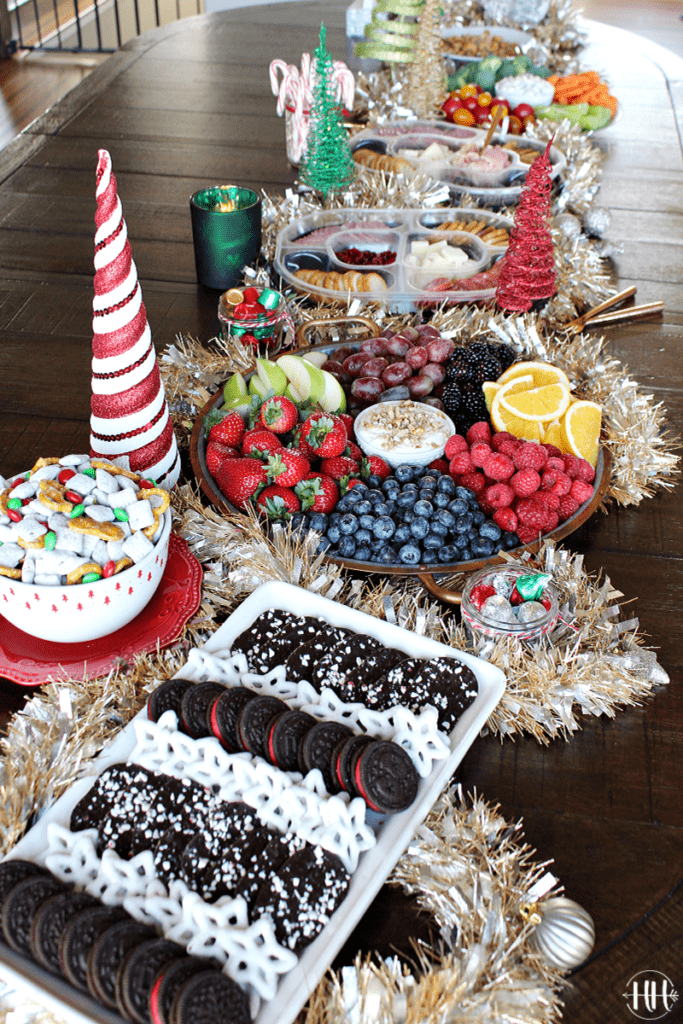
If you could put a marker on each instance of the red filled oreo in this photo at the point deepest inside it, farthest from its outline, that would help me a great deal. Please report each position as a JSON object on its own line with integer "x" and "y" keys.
{"x": 344, "y": 758}
{"x": 13, "y": 871}
{"x": 223, "y": 714}
{"x": 285, "y": 736}
{"x": 49, "y": 923}
{"x": 78, "y": 939}
{"x": 169, "y": 981}
{"x": 195, "y": 704}
{"x": 108, "y": 953}
{"x": 137, "y": 974}
{"x": 316, "y": 751}
{"x": 210, "y": 998}
{"x": 386, "y": 777}
{"x": 21, "y": 904}
{"x": 168, "y": 697}
{"x": 253, "y": 722}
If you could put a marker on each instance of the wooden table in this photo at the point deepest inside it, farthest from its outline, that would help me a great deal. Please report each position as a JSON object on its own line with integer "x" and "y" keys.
{"x": 190, "y": 105}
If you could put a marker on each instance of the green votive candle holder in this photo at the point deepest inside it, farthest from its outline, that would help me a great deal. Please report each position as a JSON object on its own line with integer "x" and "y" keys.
{"x": 226, "y": 231}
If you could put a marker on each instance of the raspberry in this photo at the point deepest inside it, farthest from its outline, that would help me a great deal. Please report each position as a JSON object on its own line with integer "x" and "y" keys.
{"x": 509, "y": 447}
{"x": 527, "y": 534}
{"x": 531, "y": 513}
{"x": 549, "y": 499}
{"x": 506, "y": 519}
{"x": 501, "y": 438}
{"x": 585, "y": 471}
{"x": 525, "y": 482}
{"x": 571, "y": 465}
{"x": 552, "y": 521}
{"x": 475, "y": 482}
{"x": 500, "y": 496}
{"x": 480, "y": 452}
{"x": 479, "y": 432}
{"x": 486, "y": 507}
{"x": 555, "y": 465}
{"x": 562, "y": 485}
{"x": 455, "y": 443}
{"x": 581, "y": 491}
{"x": 553, "y": 451}
{"x": 489, "y": 481}
{"x": 568, "y": 506}
{"x": 439, "y": 464}
{"x": 499, "y": 467}
{"x": 461, "y": 463}
{"x": 480, "y": 593}
{"x": 530, "y": 456}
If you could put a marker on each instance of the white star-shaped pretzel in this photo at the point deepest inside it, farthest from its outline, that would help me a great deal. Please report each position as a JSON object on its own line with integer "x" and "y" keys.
{"x": 255, "y": 958}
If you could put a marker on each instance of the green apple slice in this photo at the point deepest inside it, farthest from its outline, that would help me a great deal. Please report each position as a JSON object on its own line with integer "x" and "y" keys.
{"x": 307, "y": 379}
{"x": 240, "y": 404}
{"x": 317, "y": 358}
{"x": 271, "y": 375}
{"x": 235, "y": 387}
{"x": 257, "y": 387}
{"x": 293, "y": 394}
{"x": 334, "y": 398}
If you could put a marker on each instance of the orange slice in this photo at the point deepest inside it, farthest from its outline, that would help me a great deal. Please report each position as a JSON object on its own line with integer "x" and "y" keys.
{"x": 502, "y": 419}
{"x": 542, "y": 404}
{"x": 490, "y": 391}
{"x": 541, "y": 374}
{"x": 553, "y": 434}
{"x": 581, "y": 430}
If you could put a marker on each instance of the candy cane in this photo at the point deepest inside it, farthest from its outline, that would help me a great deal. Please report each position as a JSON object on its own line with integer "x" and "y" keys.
{"x": 345, "y": 82}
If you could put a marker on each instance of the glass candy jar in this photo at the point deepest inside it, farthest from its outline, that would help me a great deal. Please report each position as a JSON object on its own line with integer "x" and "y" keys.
{"x": 500, "y": 618}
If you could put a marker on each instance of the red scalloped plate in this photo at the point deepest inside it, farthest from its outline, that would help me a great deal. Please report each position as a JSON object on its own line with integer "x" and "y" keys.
{"x": 29, "y": 661}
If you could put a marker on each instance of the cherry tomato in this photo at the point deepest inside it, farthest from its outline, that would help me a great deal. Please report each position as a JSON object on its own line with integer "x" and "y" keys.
{"x": 469, "y": 90}
{"x": 515, "y": 127}
{"x": 470, "y": 102}
{"x": 463, "y": 116}
{"x": 526, "y": 121}
{"x": 523, "y": 110}
{"x": 481, "y": 115}
{"x": 497, "y": 104}
{"x": 484, "y": 99}
{"x": 451, "y": 104}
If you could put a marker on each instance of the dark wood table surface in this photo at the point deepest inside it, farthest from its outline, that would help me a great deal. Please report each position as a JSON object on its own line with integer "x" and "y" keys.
{"x": 190, "y": 105}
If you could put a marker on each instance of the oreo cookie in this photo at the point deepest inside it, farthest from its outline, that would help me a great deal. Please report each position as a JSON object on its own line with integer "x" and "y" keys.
{"x": 223, "y": 714}
{"x": 445, "y": 683}
{"x": 285, "y": 735}
{"x": 316, "y": 751}
{"x": 269, "y": 861}
{"x": 195, "y": 704}
{"x": 302, "y": 896}
{"x": 20, "y": 906}
{"x": 344, "y": 757}
{"x": 168, "y": 852}
{"x": 108, "y": 953}
{"x": 301, "y": 663}
{"x": 93, "y": 808}
{"x": 229, "y": 827}
{"x": 341, "y": 669}
{"x": 370, "y": 688}
{"x": 210, "y": 998}
{"x": 253, "y": 721}
{"x": 78, "y": 938}
{"x": 137, "y": 974}
{"x": 169, "y": 980}
{"x": 268, "y": 625}
{"x": 49, "y": 923}
{"x": 167, "y": 697}
{"x": 13, "y": 871}
{"x": 386, "y": 777}
{"x": 272, "y": 647}
{"x": 139, "y": 815}
{"x": 222, "y": 876}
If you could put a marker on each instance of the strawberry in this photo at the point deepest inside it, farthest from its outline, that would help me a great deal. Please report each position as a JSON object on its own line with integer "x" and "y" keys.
{"x": 302, "y": 445}
{"x": 339, "y": 466}
{"x": 354, "y": 452}
{"x": 318, "y": 492}
{"x": 279, "y": 414}
{"x": 287, "y": 467}
{"x": 241, "y": 479}
{"x": 227, "y": 428}
{"x": 348, "y": 423}
{"x": 373, "y": 465}
{"x": 260, "y": 442}
{"x": 278, "y": 502}
{"x": 325, "y": 433}
{"x": 216, "y": 452}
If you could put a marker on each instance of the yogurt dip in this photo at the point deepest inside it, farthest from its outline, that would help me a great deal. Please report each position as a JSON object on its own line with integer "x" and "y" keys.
{"x": 393, "y": 429}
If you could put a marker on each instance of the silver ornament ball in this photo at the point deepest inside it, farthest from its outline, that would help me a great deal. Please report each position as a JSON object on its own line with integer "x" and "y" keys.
{"x": 565, "y": 935}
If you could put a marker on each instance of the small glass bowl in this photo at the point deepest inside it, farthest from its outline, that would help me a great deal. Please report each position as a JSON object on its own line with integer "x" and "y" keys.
{"x": 522, "y": 630}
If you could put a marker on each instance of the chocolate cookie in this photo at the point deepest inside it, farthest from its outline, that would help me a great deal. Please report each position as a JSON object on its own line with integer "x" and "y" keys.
{"x": 303, "y": 895}
{"x": 344, "y": 757}
{"x": 269, "y": 861}
{"x": 223, "y": 714}
{"x": 195, "y": 703}
{"x": 222, "y": 876}
{"x": 210, "y": 998}
{"x": 286, "y": 733}
{"x": 13, "y": 871}
{"x": 168, "y": 852}
{"x": 269, "y": 624}
{"x": 93, "y": 808}
{"x": 169, "y": 980}
{"x": 136, "y": 976}
{"x": 301, "y": 663}
{"x": 20, "y": 906}
{"x": 49, "y": 923}
{"x": 370, "y": 688}
{"x": 386, "y": 777}
{"x": 271, "y": 648}
{"x": 229, "y": 827}
{"x": 78, "y": 938}
{"x": 108, "y": 953}
{"x": 445, "y": 683}
{"x": 341, "y": 668}
{"x": 139, "y": 815}
{"x": 316, "y": 751}
{"x": 253, "y": 721}
{"x": 167, "y": 697}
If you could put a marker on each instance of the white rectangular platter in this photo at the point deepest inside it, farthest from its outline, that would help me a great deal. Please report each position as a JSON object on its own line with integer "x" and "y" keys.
{"x": 394, "y": 833}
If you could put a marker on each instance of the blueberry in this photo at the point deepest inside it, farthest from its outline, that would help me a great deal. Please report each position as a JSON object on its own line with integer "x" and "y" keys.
{"x": 362, "y": 508}
{"x": 366, "y": 522}
{"x": 482, "y": 547}
{"x": 348, "y": 524}
{"x": 446, "y": 517}
{"x": 374, "y": 481}
{"x": 428, "y": 481}
{"x": 406, "y": 499}
{"x": 353, "y": 497}
{"x": 457, "y": 506}
{"x": 490, "y": 530}
{"x": 446, "y": 485}
{"x": 323, "y": 545}
{"x": 387, "y": 555}
{"x": 404, "y": 473}
{"x": 441, "y": 500}
{"x": 429, "y": 557}
{"x": 448, "y": 553}
{"x": 419, "y": 471}
{"x": 391, "y": 505}
{"x": 343, "y": 505}
{"x": 423, "y": 508}
{"x": 347, "y": 547}
{"x": 360, "y": 536}
{"x": 432, "y": 542}
{"x": 390, "y": 484}
{"x": 408, "y": 515}
{"x": 462, "y": 524}
{"x": 411, "y": 487}
{"x": 360, "y": 487}
{"x": 510, "y": 541}
{"x": 381, "y": 509}
{"x": 465, "y": 554}
{"x": 384, "y": 527}
{"x": 419, "y": 527}
{"x": 333, "y": 533}
{"x": 478, "y": 517}
{"x": 363, "y": 553}
{"x": 334, "y": 518}
{"x": 374, "y": 495}
{"x": 465, "y": 493}
{"x": 410, "y": 554}
{"x": 297, "y": 519}
{"x": 403, "y": 534}
{"x": 437, "y": 527}
{"x": 318, "y": 522}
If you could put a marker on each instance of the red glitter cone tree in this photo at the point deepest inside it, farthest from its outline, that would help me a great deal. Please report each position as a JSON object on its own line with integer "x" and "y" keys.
{"x": 130, "y": 417}
{"x": 528, "y": 272}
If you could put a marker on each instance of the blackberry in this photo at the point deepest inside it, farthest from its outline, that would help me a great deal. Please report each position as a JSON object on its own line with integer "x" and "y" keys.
{"x": 479, "y": 348}
{"x": 472, "y": 401}
{"x": 458, "y": 370}
{"x": 488, "y": 369}
{"x": 451, "y": 398}
{"x": 505, "y": 355}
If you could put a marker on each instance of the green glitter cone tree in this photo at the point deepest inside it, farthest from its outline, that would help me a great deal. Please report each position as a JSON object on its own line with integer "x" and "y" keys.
{"x": 328, "y": 164}
{"x": 392, "y": 32}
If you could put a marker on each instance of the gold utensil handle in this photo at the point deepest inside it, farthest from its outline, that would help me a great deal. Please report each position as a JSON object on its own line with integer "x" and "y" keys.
{"x": 632, "y": 313}
{"x": 607, "y": 304}
{"x": 319, "y": 322}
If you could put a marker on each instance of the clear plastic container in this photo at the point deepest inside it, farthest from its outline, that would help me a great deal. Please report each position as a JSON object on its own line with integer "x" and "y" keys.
{"x": 269, "y": 332}
{"x": 529, "y": 631}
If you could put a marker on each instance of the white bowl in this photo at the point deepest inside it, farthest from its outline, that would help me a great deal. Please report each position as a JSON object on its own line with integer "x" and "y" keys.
{"x": 81, "y": 612}
{"x": 413, "y": 457}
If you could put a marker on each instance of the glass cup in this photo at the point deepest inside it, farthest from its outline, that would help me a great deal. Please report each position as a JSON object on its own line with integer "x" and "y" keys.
{"x": 225, "y": 240}
{"x": 478, "y": 625}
